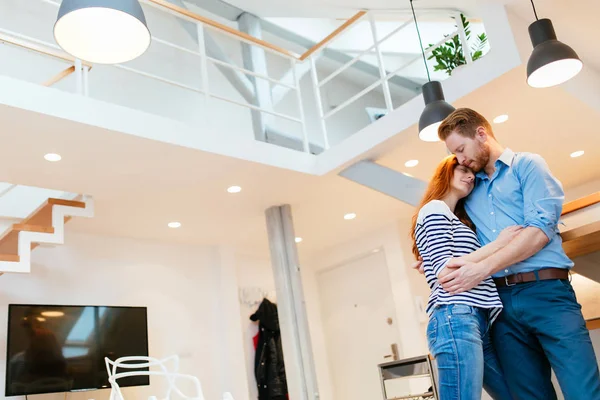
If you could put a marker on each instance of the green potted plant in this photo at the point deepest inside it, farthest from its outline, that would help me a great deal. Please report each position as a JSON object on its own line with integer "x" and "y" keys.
{"x": 450, "y": 55}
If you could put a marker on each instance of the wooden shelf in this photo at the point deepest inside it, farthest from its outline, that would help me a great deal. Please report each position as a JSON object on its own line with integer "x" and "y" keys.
{"x": 581, "y": 241}
{"x": 593, "y": 324}
{"x": 583, "y": 202}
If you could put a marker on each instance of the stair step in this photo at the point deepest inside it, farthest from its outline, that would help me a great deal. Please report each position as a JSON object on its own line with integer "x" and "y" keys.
{"x": 9, "y": 258}
{"x": 38, "y": 221}
{"x": 9, "y": 242}
{"x": 32, "y": 228}
{"x": 69, "y": 203}
{"x": 43, "y": 215}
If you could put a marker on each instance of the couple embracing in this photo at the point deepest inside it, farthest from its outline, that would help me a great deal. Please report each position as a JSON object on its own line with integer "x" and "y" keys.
{"x": 502, "y": 312}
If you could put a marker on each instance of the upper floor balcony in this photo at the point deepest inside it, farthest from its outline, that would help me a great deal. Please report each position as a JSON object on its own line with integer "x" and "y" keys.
{"x": 252, "y": 87}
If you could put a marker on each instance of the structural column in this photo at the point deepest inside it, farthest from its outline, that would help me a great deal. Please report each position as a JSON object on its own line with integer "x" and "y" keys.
{"x": 255, "y": 60}
{"x": 297, "y": 349}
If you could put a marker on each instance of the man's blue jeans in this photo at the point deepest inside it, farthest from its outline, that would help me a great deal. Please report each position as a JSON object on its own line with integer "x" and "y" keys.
{"x": 458, "y": 338}
{"x": 541, "y": 328}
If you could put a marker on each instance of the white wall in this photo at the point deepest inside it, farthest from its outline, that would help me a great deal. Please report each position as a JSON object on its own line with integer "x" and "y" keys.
{"x": 392, "y": 240}
{"x": 576, "y": 192}
{"x": 256, "y": 272}
{"x": 254, "y": 275}
{"x": 182, "y": 286}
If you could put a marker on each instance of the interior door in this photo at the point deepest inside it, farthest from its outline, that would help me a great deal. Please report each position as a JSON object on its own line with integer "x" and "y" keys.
{"x": 359, "y": 325}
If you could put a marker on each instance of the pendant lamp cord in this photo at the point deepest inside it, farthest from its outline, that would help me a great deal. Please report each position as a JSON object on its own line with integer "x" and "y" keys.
{"x": 420, "y": 41}
{"x": 534, "y": 11}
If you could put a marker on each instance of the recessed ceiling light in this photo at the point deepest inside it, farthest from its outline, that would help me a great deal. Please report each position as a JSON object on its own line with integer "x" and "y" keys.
{"x": 577, "y": 154}
{"x": 53, "y": 157}
{"x": 174, "y": 224}
{"x": 53, "y": 314}
{"x": 298, "y": 239}
{"x": 500, "y": 119}
{"x": 234, "y": 189}
{"x": 411, "y": 163}
{"x": 350, "y": 216}
{"x": 41, "y": 319}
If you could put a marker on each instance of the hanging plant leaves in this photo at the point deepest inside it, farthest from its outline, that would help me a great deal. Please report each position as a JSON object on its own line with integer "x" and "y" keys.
{"x": 450, "y": 55}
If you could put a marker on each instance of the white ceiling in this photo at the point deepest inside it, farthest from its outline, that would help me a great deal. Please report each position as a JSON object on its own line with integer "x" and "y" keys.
{"x": 575, "y": 22}
{"x": 550, "y": 122}
{"x": 140, "y": 185}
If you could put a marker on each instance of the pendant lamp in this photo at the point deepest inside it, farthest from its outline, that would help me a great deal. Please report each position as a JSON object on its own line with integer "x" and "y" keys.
{"x": 102, "y": 31}
{"x": 436, "y": 106}
{"x": 551, "y": 62}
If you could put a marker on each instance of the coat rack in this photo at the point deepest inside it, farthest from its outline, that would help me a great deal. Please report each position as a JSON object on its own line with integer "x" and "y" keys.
{"x": 252, "y": 296}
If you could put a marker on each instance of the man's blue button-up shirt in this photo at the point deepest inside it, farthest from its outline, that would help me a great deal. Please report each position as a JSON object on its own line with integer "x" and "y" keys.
{"x": 522, "y": 191}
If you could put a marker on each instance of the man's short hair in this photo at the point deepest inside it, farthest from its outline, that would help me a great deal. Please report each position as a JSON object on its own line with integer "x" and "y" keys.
{"x": 465, "y": 122}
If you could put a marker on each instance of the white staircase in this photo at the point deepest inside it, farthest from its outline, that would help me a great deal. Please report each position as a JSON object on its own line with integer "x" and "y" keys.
{"x": 44, "y": 225}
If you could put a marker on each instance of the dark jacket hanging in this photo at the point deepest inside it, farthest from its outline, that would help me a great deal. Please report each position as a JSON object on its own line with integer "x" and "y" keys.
{"x": 269, "y": 369}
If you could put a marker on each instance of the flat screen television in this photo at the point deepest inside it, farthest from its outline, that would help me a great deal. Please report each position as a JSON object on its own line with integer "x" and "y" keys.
{"x": 62, "y": 348}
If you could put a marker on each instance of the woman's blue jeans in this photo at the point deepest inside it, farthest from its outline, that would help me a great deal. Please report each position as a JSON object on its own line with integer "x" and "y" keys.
{"x": 458, "y": 337}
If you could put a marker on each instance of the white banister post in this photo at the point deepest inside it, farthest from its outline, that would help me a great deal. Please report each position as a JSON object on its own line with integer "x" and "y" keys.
{"x": 305, "y": 141}
{"x": 203, "y": 61}
{"x": 78, "y": 76}
{"x": 86, "y": 80}
{"x": 318, "y": 101}
{"x": 384, "y": 82}
{"x": 208, "y": 118}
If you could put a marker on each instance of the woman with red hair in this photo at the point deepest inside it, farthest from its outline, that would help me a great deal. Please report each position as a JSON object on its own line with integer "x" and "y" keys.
{"x": 458, "y": 329}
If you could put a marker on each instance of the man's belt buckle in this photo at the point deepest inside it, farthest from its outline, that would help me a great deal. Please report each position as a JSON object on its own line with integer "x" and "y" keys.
{"x": 506, "y": 281}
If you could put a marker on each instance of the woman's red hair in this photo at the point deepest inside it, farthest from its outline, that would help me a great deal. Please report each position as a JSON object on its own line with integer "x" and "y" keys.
{"x": 439, "y": 186}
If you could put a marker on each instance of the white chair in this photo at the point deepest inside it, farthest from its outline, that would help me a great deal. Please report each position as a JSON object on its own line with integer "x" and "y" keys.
{"x": 171, "y": 376}
{"x": 136, "y": 362}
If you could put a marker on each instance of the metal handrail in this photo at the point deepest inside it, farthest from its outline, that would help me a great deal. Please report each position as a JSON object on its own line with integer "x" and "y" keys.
{"x": 362, "y": 53}
{"x": 383, "y": 79}
{"x": 52, "y": 50}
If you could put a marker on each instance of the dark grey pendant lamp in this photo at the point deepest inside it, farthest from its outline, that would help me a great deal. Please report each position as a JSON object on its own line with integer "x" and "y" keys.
{"x": 551, "y": 62}
{"x": 436, "y": 106}
{"x": 102, "y": 31}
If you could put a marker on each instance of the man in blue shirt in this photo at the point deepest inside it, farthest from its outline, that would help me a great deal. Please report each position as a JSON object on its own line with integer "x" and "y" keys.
{"x": 541, "y": 327}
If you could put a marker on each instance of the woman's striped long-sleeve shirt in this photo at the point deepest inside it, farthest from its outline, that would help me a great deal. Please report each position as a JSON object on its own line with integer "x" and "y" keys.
{"x": 440, "y": 236}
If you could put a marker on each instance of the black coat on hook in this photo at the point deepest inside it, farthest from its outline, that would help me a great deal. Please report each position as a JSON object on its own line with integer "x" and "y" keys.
{"x": 269, "y": 369}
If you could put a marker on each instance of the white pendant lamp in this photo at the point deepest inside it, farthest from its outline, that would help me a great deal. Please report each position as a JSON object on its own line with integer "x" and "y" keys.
{"x": 102, "y": 31}
{"x": 551, "y": 62}
{"x": 436, "y": 106}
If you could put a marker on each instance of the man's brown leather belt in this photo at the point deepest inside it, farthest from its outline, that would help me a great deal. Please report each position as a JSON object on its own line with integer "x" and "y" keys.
{"x": 524, "y": 277}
